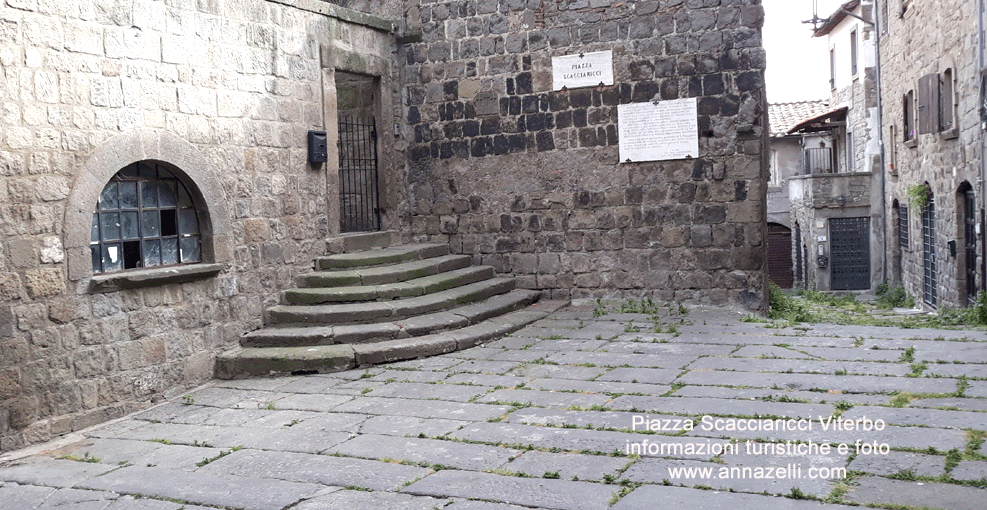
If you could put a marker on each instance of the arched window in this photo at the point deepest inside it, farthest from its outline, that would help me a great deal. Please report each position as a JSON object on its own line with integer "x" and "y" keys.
{"x": 144, "y": 217}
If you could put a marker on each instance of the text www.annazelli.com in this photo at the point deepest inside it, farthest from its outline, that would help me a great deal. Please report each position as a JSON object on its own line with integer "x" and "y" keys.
{"x": 788, "y": 471}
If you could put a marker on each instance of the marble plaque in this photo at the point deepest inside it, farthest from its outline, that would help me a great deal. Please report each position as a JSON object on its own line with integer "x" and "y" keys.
{"x": 658, "y": 131}
{"x": 582, "y": 70}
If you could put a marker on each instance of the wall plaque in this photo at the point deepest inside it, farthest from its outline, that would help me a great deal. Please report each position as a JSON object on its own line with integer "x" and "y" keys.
{"x": 659, "y": 130}
{"x": 582, "y": 70}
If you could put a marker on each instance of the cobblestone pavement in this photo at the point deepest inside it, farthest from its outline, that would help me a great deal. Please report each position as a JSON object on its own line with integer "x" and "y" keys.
{"x": 557, "y": 416}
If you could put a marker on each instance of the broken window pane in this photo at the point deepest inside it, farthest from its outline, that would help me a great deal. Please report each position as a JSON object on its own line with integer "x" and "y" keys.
{"x": 190, "y": 249}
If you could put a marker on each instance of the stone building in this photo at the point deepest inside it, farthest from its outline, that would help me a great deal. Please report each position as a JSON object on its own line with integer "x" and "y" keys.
{"x": 837, "y": 206}
{"x": 157, "y": 193}
{"x": 931, "y": 57}
{"x": 787, "y": 159}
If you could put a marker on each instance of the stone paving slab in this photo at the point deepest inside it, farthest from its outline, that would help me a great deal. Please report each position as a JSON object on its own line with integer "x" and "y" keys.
{"x": 854, "y": 354}
{"x": 605, "y": 359}
{"x": 585, "y": 419}
{"x": 927, "y": 417}
{"x": 960, "y": 403}
{"x": 780, "y": 395}
{"x": 568, "y": 345}
{"x": 491, "y": 366}
{"x": 566, "y": 439}
{"x": 644, "y": 498}
{"x": 801, "y": 366}
{"x": 705, "y": 474}
{"x": 531, "y": 492}
{"x": 770, "y": 352}
{"x": 843, "y": 383}
{"x": 882, "y": 491}
{"x": 77, "y": 499}
{"x": 701, "y": 406}
{"x": 566, "y": 466}
{"x": 360, "y": 500}
{"x": 896, "y": 437}
{"x": 489, "y": 380}
{"x": 545, "y": 398}
{"x": 422, "y": 408}
{"x": 973, "y": 470}
{"x": 641, "y": 375}
{"x": 557, "y": 372}
{"x": 310, "y": 401}
{"x": 483, "y": 505}
{"x": 201, "y": 488}
{"x": 597, "y": 386}
{"x": 51, "y": 472}
{"x": 24, "y": 496}
{"x": 410, "y": 426}
{"x": 320, "y": 469}
{"x": 673, "y": 349}
{"x": 430, "y": 451}
{"x": 452, "y": 392}
{"x": 898, "y": 462}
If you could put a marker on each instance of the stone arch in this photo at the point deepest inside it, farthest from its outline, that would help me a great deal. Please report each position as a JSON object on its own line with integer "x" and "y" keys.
{"x": 139, "y": 145}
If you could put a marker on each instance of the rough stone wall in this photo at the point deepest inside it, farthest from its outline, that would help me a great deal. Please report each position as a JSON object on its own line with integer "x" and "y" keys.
{"x": 224, "y": 90}
{"x": 932, "y": 36}
{"x": 527, "y": 179}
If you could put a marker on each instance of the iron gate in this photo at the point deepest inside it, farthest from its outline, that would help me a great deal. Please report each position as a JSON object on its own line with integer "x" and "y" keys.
{"x": 359, "y": 206}
{"x": 850, "y": 253}
{"x": 930, "y": 273}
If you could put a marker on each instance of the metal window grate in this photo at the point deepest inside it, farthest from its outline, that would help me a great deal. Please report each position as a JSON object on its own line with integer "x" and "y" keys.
{"x": 929, "y": 261}
{"x": 359, "y": 206}
{"x": 903, "y": 226}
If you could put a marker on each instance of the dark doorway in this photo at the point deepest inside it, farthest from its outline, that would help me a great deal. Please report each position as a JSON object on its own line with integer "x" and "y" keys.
{"x": 359, "y": 200}
{"x": 850, "y": 250}
{"x": 780, "y": 255}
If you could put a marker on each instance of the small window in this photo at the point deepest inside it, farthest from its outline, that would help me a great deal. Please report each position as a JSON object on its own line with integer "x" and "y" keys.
{"x": 853, "y": 52}
{"x": 908, "y": 120}
{"x": 893, "y": 150}
{"x": 144, "y": 217}
{"x": 775, "y": 169}
{"x": 884, "y": 16}
{"x": 947, "y": 103}
{"x": 832, "y": 68}
{"x": 850, "y": 166}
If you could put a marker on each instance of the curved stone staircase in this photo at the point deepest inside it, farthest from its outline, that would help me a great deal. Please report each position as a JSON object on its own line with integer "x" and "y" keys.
{"x": 376, "y": 302}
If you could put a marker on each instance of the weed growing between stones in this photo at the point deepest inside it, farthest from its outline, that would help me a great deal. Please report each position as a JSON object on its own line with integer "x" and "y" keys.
{"x": 893, "y": 296}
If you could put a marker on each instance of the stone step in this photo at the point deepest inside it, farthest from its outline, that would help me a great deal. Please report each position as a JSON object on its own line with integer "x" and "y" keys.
{"x": 385, "y": 274}
{"x": 383, "y": 256}
{"x": 380, "y": 311}
{"x": 388, "y": 291}
{"x": 474, "y": 313}
{"x": 254, "y": 361}
{"x": 362, "y": 241}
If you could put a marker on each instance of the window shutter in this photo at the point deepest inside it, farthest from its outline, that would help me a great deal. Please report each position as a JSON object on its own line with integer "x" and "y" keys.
{"x": 928, "y": 104}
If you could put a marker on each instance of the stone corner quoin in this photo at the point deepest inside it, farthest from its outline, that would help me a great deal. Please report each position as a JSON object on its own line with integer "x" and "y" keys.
{"x": 475, "y": 149}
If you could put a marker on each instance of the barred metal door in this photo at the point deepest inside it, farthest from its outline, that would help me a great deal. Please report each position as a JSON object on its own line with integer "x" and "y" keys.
{"x": 359, "y": 207}
{"x": 930, "y": 275}
{"x": 850, "y": 253}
